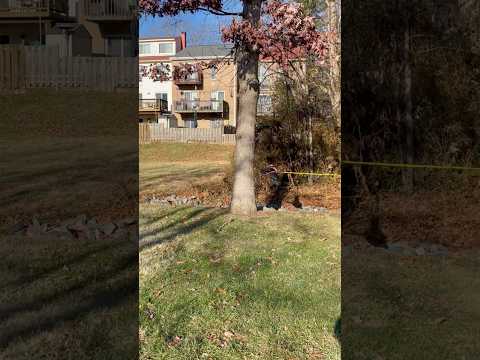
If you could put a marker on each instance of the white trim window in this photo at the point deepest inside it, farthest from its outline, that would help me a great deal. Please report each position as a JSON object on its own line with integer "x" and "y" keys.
{"x": 190, "y": 123}
{"x": 145, "y": 48}
{"x": 217, "y": 98}
{"x": 166, "y": 48}
{"x": 216, "y": 123}
{"x": 264, "y": 105}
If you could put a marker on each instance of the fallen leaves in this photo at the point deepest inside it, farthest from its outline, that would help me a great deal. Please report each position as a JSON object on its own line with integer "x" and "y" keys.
{"x": 226, "y": 338}
{"x": 150, "y": 312}
{"x": 175, "y": 341}
{"x": 221, "y": 291}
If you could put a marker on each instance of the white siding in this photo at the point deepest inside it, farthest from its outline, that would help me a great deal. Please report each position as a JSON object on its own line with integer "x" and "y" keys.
{"x": 148, "y": 88}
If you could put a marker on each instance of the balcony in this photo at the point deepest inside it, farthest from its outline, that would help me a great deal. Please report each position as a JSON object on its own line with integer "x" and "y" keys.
{"x": 195, "y": 78}
{"x": 33, "y": 8}
{"x": 264, "y": 105}
{"x": 152, "y": 106}
{"x": 108, "y": 10}
{"x": 199, "y": 106}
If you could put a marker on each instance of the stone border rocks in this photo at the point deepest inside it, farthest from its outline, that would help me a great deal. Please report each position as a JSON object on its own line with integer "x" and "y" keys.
{"x": 76, "y": 228}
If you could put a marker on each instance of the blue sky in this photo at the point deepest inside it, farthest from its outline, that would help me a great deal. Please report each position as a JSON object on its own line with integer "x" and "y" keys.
{"x": 201, "y": 28}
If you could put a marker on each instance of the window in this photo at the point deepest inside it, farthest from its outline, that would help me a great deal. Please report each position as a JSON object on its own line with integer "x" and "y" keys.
{"x": 264, "y": 104}
{"x": 115, "y": 46}
{"x": 163, "y": 99}
{"x": 216, "y": 123}
{"x": 190, "y": 123}
{"x": 166, "y": 48}
{"x": 120, "y": 46}
{"x": 217, "y": 98}
{"x": 145, "y": 49}
{"x": 213, "y": 72}
{"x": 190, "y": 95}
{"x": 128, "y": 47}
{"x": 163, "y": 96}
{"x": 263, "y": 76}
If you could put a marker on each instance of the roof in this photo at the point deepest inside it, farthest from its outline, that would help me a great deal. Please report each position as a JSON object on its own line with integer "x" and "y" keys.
{"x": 158, "y": 38}
{"x": 154, "y": 58}
{"x": 204, "y": 51}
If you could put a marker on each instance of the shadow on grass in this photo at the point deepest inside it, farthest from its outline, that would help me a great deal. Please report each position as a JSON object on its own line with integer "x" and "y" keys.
{"x": 237, "y": 285}
{"x": 87, "y": 282}
{"x": 192, "y": 221}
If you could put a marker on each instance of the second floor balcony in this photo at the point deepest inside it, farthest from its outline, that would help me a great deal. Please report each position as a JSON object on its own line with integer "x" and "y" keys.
{"x": 108, "y": 10}
{"x": 199, "y": 106}
{"x": 195, "y": 78}
{"x": 152, "y": 106}
{"x": 33, "y": 8}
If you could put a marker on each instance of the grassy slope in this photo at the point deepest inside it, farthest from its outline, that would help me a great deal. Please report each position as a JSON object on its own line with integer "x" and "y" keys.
{"x": 262, "y": 288}
{"x": 68, "y": 113}
{"x": 396, "y": 307}
{"x": 61, "y": 297}
{"x": 171, "y": 168}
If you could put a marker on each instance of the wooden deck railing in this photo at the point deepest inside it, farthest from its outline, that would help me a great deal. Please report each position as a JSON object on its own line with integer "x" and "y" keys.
{"x": 156, "y": 132}
{"x": 42, "y": 67}
{"x": 108, "y": 10}
{"x": 199, "y": 106}
{"x": 152, "y": 105}
{"x": 195, "y": 78}
{"x": 29, "y": 8}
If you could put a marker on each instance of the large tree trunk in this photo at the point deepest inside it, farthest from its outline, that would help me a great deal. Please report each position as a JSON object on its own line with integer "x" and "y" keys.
{"x": 334, "y": 63}
{"x": 243, "y": 197}
{"x": 408, "y": 175}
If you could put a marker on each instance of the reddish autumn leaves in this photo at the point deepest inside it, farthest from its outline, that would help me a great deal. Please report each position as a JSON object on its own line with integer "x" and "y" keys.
{"x": 285, "y": 31}
{"x": 174, "y": 7}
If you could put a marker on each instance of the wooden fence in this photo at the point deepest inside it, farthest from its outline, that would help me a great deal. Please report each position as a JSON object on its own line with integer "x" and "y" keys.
{"x": 156, "y": 132}
{"x": 12, "y": 68}
{"x": 43, "y": 67}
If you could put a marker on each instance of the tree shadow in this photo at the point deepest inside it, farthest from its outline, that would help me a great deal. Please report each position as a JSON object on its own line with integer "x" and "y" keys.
{"x": 174, "y": 229}
{"x": 337, "y": 329}
{"x": 55, "y": 301}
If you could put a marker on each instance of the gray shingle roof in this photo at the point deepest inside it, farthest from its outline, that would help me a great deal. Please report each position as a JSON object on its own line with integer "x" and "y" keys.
{"x": 200, "y": 51}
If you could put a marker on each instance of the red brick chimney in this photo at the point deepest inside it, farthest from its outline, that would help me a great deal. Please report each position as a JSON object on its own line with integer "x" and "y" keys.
{"x": 183, "y": 37}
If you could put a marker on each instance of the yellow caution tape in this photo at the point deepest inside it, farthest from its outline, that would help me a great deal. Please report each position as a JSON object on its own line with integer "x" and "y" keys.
{"x": 309, "y": 174}
{"x": 384, "y": 164}
{"x": 410, "y": 166}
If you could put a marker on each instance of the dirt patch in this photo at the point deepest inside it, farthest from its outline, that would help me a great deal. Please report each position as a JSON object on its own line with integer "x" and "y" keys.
{"x": 218, "y": 194}
{"x": 445, "y": 218}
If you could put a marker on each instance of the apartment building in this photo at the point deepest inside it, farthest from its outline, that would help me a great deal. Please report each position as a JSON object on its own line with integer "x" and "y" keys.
{"x": 156, "y": 97}
{"x": 77, "y": 27}
{"x": 206, "y": 98}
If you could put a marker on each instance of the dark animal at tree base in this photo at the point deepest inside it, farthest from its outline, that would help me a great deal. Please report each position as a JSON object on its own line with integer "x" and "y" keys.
{"x": 374, "y": 234}
{"x": 279, "y": 187}
{"x": 360, "y": 184}
{"x": 297, "y": 203}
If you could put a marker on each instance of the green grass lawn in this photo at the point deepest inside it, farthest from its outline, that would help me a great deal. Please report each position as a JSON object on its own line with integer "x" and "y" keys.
{"x": 174, "y": 168}
{"x": 68, "y": 299}
{"x": 217, "y": 287}
{"x": 400, "y": 307}
{"x": 65, "y": 153}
